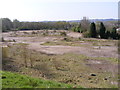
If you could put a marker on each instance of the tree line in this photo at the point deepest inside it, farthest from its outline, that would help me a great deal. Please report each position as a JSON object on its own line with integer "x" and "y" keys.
{"x": 8, "y": 25}
{"x": 87, "y": 28}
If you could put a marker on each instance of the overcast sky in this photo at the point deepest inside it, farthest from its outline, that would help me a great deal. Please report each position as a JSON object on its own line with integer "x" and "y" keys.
{"x": 42, "y": 10}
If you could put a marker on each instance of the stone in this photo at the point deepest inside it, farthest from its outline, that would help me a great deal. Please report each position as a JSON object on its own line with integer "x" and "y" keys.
{"x": 105, "y": 78}
{"x": 93, "y": 74}
{"x": 3, "y": 77}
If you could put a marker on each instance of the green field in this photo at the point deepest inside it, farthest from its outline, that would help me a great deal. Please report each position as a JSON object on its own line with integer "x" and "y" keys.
{"x": 14, "y": 80}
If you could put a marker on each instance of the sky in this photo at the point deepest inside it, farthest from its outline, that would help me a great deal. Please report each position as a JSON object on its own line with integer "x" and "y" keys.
{"x": 55, "y": 10}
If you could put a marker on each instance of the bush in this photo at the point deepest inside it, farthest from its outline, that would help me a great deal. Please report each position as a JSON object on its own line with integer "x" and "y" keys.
{"x": 54, "y": 31}
{"x": 45, "y": 33}
{"x": 33, "y": 32}
{"x": 3, "y": 39}
{"x": 14, "y": 40}
{"x": 63, "y": 34}
{"x": 25, "y": 32}
{"x": 86, "y": 34}
{"x": 66, "y": 39}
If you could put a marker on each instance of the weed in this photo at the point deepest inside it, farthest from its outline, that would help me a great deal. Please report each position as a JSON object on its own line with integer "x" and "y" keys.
{"x": 33, "y": 32}
{"x": 63, "y": 34}
{"x": 5, "y": 52}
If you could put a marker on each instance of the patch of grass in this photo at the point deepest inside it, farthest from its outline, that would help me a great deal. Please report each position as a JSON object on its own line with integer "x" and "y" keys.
{"x": 21, "y": 44}
{"x": 14, "y": 80}
{"x": 66, "y": 42}
{"x": 82, "y": 42}
{"x": 98, "y": 40}
{"x": 113, "y": 60}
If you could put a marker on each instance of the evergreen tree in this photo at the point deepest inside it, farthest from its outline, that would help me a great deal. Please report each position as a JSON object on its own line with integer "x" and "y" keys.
{"x": 107, "y": 35}
{"x": 93, "y": 32}
{"x": 102, "y": 30}
{"x": 114, "y": 33}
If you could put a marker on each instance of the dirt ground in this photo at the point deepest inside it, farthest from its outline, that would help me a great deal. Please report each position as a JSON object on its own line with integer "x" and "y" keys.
{"x": 92, "y": 51}
{"x": 100, "y": 55}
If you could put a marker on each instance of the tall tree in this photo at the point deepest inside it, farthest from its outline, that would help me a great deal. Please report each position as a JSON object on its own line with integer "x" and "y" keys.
{"x": 114, "y": 33}
{"x": 93, "y": 32}
{"x": 16, "y": 24}
{"x": 6, "y": 24}
{"x": 107, "y": 34}
{"x": 102, "y": 30}
{"x": 85, "y": 24}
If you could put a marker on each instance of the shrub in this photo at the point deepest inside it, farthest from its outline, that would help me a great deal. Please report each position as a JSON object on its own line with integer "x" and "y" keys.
{"x": 66, "y": 39}
{"x": 14, "y": 40}
{"x": 73, "y": 29}
{"x": 63, "y": 34}
{"x": 54, "y": 31}
{"x": 86, "y": 34}
{"x": 45, "y": 33}
{"x": 3, "y": 39}
{"x": 33, "y": 32}
{"x": 25, "y": 32}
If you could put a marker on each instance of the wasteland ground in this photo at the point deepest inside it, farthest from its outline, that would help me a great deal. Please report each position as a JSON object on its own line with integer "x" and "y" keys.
{"x": 70, "y": 58}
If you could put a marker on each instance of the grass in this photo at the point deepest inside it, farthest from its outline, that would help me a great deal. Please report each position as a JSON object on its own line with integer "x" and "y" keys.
{"x": 67, "y": 42}
{"x": 113, "y": 60}
{"x": 21, "y": 44}
{"x": 14, "y": 80}
{"x": 71, "y": 43}
{"x": 82, "y": 42}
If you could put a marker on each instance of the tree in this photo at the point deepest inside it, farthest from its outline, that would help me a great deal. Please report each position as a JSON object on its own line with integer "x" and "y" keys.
{"x": 6, "y": 24}
{"x": 102, "y": 30}
{"x": 16, "y": 24}
{"x": 114, "y": 33}
{"x": 79, "y": 28}
{"x": 93, "y": 32}
{"x": 107, "y": 34}
{"x": 84, "y": 24}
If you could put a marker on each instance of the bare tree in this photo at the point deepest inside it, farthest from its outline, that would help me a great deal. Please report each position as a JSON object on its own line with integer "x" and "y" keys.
{"x": 85, "y": 24}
